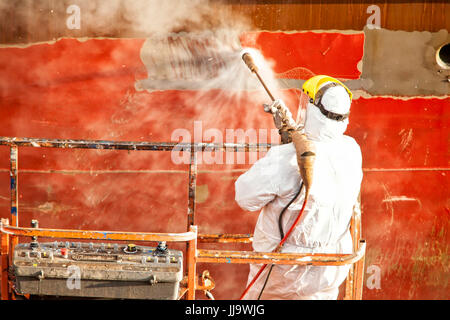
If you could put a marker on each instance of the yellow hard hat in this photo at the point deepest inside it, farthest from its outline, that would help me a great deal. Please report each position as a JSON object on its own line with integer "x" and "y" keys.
{"x": 312, "y": 86}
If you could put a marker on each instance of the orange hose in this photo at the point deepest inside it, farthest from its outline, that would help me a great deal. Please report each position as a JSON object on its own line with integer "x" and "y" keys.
{"x": 279, "y": 246}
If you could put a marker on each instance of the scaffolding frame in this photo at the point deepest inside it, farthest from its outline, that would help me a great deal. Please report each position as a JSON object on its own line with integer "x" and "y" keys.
{"x": 11, "y": 231}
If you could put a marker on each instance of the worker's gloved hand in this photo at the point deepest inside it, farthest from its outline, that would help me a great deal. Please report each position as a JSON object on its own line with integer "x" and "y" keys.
{"x": 282, "y": 116}
{"x": 274, "y": 106}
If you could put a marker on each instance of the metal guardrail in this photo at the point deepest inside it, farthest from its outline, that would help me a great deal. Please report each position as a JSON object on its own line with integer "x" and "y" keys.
{"x": 10, "y": 233}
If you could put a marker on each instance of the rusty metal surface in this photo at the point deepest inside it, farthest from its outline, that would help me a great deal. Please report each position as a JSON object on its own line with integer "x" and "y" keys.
{"x": 343, "y": 15}
{"x": 192, "y": 188}
{"x": 192, "y": 265}
{"x": 95, "y": 235}
{"x": 104, "y": 271}
{"x": 104, "y": 289}
{"x": 94, "y": 262}
{"x": 4, "y": 263}
{"x": 45, "y": 20}
{"x": 358, "y": 279}
{"x": 14, "y": 185}
{"x": 53, "y": 286}
{"x": 132, "y": 145}
{"x": 355, "y": 231}
{"x": 225, "y": 238}
{"x": 223, "y": 256}
{"x": 204, "y": 283}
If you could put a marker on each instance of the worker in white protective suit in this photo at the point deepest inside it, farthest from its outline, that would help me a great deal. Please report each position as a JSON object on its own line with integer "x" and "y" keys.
{"x": 271, "y": 183}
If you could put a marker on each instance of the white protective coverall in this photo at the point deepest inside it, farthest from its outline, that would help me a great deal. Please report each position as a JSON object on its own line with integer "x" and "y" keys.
{"x": 324, "y": 226}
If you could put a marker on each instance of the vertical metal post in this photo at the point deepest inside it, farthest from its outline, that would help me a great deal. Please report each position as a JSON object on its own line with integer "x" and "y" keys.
{"x": 355, "y": 224}
{"x": 358, "y": 267}
{"x": 351, "y": 274}
{"x": 14, "y": 182}
{"x": 191, "y": 246}
{"x": 192, "y": 265}
{"x": 192, "y": 186}
{"x": 13, "y": 173}
{"x": 4, "y": 262}
{"x": 359, "y": 279}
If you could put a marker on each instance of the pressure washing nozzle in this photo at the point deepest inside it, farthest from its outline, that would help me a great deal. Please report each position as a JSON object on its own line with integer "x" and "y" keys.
{"x": 253, "y": 68}
{"x": 303, "y": 147}
{"x": 249, "y": 62}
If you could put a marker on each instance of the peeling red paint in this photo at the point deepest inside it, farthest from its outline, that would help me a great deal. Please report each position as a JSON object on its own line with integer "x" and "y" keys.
{"x": 300, "y": 55}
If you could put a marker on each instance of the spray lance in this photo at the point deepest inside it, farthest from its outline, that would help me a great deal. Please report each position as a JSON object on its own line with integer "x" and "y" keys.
{"x": 289, "y": 132}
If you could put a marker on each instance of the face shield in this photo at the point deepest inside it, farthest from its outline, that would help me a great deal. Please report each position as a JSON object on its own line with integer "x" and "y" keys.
{"x": 317, "y": 126}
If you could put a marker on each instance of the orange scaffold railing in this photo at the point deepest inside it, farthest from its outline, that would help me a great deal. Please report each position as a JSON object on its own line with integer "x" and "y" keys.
{"x": 10, "y": 231}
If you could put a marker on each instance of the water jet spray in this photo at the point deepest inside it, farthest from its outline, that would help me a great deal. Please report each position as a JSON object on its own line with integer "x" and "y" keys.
{"x": 254, "y": 69}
